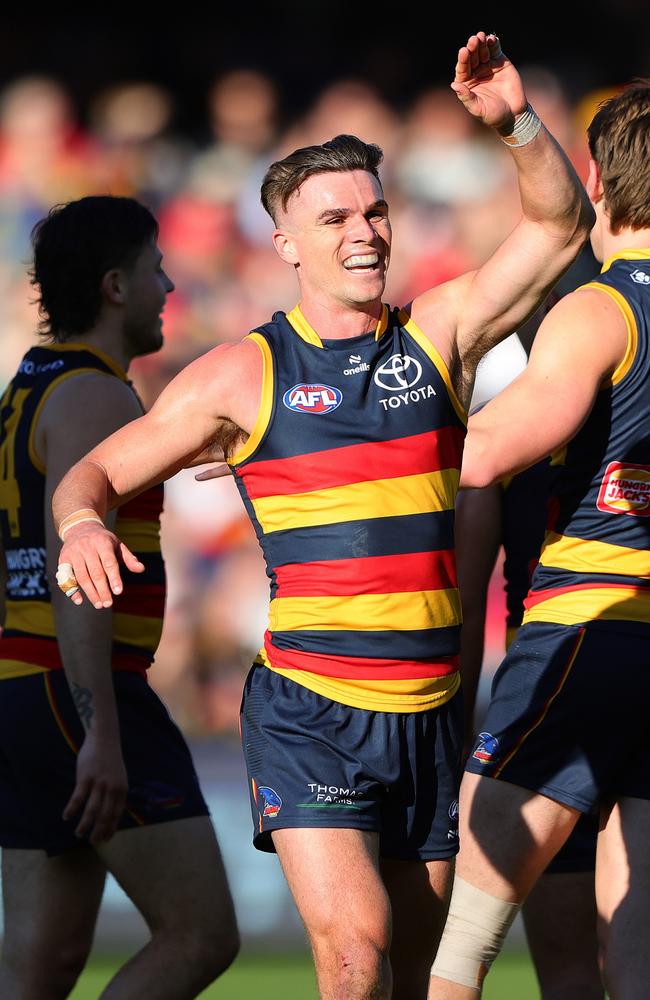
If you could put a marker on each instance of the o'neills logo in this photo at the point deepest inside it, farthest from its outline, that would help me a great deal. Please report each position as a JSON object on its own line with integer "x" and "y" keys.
{"x": 625, "y": 489}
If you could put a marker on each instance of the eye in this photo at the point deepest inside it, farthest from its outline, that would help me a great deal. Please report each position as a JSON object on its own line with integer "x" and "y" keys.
{"x": 335, "y": 220}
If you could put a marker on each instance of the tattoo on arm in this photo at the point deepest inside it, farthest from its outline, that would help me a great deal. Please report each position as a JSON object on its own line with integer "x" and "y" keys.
{"x": 83, "y": 702}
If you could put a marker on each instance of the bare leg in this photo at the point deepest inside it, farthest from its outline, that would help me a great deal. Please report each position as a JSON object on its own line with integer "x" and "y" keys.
{"x": 50, "y": 907}
{"x": 508, "y": 835}
{"x": 623, "y": 895}
{"x": 419, "y": 896}
{"x": 174, "y": 875}
{"x": 561, "y": 927}
{"x": 335, "y": 880}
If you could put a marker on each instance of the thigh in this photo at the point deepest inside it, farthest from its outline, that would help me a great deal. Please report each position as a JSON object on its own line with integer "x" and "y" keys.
{"x": 50, "y": 903}
{"x": 419, "y": 894}
{"x": 335, "y": 880}
{"x": 309, "y": 759}
{"x": 173, "y": 873}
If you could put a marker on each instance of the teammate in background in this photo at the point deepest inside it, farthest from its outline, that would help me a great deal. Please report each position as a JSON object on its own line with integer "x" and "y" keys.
{"x": 343, "y": 423}
{"x": 94, "y": 776}
{"x": 560, "y": 912}
{"x": 565, "y": 730}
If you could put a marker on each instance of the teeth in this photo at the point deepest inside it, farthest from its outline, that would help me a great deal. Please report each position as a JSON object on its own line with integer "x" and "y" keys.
{"x": 361, "y": 260}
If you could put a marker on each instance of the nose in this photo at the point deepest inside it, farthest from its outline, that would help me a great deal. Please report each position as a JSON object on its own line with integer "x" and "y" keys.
{"x": 363, "y": 231}
{"x": 169, "y": 284}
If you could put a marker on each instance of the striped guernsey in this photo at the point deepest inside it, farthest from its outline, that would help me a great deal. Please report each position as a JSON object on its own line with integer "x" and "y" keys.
{"x": 595, "y": 562}
{"x": 28, "y": 644}
{"x": 350, "y": 477}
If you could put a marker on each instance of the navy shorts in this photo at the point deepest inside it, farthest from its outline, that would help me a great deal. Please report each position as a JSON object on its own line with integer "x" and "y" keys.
{"x": 568, "y": 713}
{"x": 579, "y": 852}
{"x": 315, "y": 763}
{"x": 40, "y": 732}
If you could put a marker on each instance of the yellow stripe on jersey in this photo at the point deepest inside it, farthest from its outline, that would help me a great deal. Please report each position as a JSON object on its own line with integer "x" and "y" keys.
{"x": 367, "y": 612}
{"x": 9, "y": 669}
{"x": 607, "y": 603}
{"x": 266, "y": 402}
{"x": 418, "y": 494}
{"x": 139, "y": 536}
{"x": 376, "y": 695}
{"x": 581, "y": 556}
{"x": 30, "y": 616}
{"x": 641, "y": 254}
{"x": 432, "y": 352}
{"x": 136, "y": 630}
{"x": 625, "y": 364}
{"x": 306, "y": 332}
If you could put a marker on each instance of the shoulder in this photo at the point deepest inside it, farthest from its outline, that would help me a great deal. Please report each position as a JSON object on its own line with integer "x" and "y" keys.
{"x": 436, "y": 311}
{"x": 93, "y": 395}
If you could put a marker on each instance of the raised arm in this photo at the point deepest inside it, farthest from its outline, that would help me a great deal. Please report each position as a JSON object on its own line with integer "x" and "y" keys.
{"x": 578, "y": 346}
{"x": 223, "y": 385}
{"x": 478, "y": 309}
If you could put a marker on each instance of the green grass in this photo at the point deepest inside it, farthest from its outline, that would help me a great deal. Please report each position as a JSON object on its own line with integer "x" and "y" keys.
{"x": 290, "y": 977}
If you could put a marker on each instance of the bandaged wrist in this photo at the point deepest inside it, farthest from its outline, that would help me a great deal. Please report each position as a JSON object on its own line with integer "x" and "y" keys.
{"x": 524, "y": 130}
{"x": 78, "y": 517}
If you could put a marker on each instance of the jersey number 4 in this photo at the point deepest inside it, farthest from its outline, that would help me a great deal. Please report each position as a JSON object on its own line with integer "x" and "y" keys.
{"x": 12, "y": 409}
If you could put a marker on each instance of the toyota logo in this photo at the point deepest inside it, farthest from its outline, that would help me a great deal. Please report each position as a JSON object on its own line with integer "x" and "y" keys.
{"x": 399, "y": 372}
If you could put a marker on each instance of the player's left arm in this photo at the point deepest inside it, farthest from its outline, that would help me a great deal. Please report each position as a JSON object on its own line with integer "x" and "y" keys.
{"x": 578, "y": 347}
{"x": 475, "y": 311}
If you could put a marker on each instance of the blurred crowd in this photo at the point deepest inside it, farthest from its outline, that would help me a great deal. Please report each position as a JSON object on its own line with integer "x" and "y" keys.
{"x": 452, "y": 195}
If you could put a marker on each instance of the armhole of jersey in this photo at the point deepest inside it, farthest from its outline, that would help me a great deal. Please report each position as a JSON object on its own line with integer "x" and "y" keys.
{"x": 423, "y": 341}
{"x": 33, "y": 454}
{"x": 263, "y": 418}
{"x": 625, "y": 364}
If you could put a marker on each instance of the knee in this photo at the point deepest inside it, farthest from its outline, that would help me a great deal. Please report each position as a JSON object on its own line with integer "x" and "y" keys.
{"x": 209, "y": 952}
{"x": 51, "y": 974}
{"x": 354, "y": 964}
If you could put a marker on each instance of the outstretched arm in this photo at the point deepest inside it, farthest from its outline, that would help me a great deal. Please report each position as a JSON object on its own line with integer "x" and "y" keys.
{"x": 185, "y": 420}
{"x": 578, "y": 346}
{"x": 478, "y": 309}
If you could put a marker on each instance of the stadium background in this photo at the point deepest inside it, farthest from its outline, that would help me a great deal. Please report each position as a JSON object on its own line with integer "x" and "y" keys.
{"x": 185, "y": 111}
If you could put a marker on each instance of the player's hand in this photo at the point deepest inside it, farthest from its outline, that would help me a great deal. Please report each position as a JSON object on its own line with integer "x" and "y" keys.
{"x": 100, "y": 790}
{"x": 487, "y": 83}
{"x": 95, "y": 554}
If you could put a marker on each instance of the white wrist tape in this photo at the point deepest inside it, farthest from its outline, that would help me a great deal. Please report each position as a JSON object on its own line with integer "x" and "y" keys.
{"x": 78, "y": 517}
{"x": 526, "y": 127}
{"x": 476, "y": 927}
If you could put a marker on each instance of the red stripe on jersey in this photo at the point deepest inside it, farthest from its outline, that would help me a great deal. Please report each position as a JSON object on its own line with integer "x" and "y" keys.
{"x": 405, "y": 573}
{"x": 45, "y": 653}
{"x": 146, "y": 506}
{"x": 147, "y": 600}
{"x": 355, "y": 463}
{"x": 359, "y": 667}
{"x": 537, "y": 596}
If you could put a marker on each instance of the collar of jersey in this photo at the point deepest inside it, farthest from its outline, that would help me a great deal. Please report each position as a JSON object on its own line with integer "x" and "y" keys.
{"x": 626, "y": 255}
{"x": 70, "y": 345}
{"x": 309, "y": 335}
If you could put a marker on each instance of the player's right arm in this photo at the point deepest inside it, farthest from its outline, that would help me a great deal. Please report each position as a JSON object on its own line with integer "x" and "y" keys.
{"x": 85, "y": 637}
{"x": 223, "y": 385}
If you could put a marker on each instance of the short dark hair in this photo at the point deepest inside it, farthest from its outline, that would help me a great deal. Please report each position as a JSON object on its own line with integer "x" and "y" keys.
{"x": 619, "y": 142}
{"x": 342, "y": 153}
{"x": 74, "y": 246}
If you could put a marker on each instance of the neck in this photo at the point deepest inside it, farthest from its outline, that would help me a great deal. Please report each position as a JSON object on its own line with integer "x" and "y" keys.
{"x": 105, "y": 338}
{"x": 626, "y": 239}
{"x": 337, "y": 321}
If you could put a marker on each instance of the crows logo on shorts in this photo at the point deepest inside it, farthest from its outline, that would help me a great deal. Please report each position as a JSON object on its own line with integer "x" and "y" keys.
{"x": 487, "y": 747}
{"x": 272, "y": 801}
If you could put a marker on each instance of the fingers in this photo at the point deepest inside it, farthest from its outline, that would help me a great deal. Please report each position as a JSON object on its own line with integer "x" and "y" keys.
{"x": 475, "y": 57}
{"x": 101, "y": 813}
{"x": 215, "y": 472}
{"x": 131, "y": 562}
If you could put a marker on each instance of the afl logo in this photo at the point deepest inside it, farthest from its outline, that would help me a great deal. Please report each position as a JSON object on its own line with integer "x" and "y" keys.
{"x": 398, "y": 373}
{"x": 312, "y": 398}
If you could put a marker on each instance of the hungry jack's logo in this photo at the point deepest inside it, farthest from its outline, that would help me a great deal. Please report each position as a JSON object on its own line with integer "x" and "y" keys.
{"x": 625, "y": 489}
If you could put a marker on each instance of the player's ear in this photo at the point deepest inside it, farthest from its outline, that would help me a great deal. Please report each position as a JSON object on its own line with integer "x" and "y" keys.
{"x": 114, "y": 286}
{"x": 594, "y": 183}
{"x": 285, "y": 246}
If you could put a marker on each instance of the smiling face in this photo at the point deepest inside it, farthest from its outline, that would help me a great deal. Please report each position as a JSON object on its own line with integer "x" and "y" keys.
{"x": 336, "y": 233}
